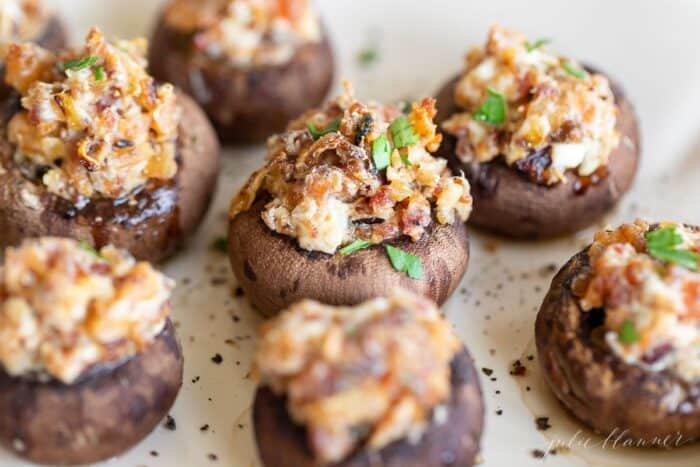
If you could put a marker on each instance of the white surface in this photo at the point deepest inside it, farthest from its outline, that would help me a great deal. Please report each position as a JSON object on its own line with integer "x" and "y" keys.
{"x": 649, "y": 46}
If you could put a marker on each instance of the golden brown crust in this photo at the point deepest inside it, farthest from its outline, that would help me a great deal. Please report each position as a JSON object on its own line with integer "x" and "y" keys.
{"x": 599, "y": 388}
{"x": 151, "y": 230}
{"x": 97, "y": 418}
{"x": 507, "y": 203}
{"x": 274, "y": 272}
{"x": 245, "y": 105}
{"x": 455, "y": 442}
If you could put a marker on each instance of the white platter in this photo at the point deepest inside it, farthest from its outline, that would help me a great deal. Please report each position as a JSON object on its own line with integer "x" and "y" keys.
{"x": 649, "y": 46}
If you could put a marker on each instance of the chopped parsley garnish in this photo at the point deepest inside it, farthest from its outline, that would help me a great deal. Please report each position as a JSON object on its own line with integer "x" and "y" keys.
{"x": 368, "y": 57}
{"x": 78, "y": 64}
{"x": 493, "y": 110}
{"x": 403, "y": 261}
{"x": 405, "y": 160}
{"x": 381, "y": 152}
{"x": 573, "y": 71}
{"x": 530, "y": 46}
{"x": 316, "y": 133}
{"x": 406, "y": 107}
{"x": 402, "y": 132}
{"x": 628, "y": 333}
{"x": 90, "y": 249}
{"x": 99, "y": 72}
{"x": 357, "y": 245}
{"x": 220, "y": 244}
{"x": 663, "y": 244}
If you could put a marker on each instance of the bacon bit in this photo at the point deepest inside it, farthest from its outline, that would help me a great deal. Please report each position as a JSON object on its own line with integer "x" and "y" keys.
{"x": 518, "y": 369}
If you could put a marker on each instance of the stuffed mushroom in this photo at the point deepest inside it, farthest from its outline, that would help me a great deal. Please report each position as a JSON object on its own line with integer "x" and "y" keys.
{"x": 350, "y": 205}
{"x": 253, "y": 65}
{"x": 93, "y": 148}
{"x": 384, "y": 383}
{"x": 618, "y": 334}
{"x": 89, "y": 360}
{"x": 548, "y": 145}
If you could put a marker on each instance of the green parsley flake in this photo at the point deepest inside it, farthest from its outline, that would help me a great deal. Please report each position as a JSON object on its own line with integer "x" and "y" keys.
{"x": 381, "y": 152}
{"x": 402, "y": 132}
{"x": 405, "y": 262}
{"x": 220, "y": 244}
{"x": 663, "y": 244}
{"x": 78, "y": 64}
{"x": 316, "y": 133}
{"x": 628, "y": 333}
{"x": 357, "y": 245}
{"x": 90, "y": 249}
{"x": 537, "y": 44}
{"x": 405, "y": 160}
{"x": 493, "y": 110}
{"x": 573, "y": 71}
{"x": 99, "y": 72}
{"x": 368, "y": 57}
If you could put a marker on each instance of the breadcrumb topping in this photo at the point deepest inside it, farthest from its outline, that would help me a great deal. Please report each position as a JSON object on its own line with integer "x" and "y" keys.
{"x": 93, "y": 122}
{"x": 361, "y": 376}
{"x": 326, "y": 186}
{"x": 65, "y": 307}
{"x": 652, "y": 306}
{"x": 246, "y": 32}
{"x": 558, "y": 117}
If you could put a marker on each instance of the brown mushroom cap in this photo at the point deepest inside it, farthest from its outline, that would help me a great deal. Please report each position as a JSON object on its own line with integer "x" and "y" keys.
{"x": 54, "y": 35}
{"x": 151, "y": 229}
{"x": 274, "y": 272}
{"x": 96, "y": 418}
{"x": 507, "y": 203}
{"x": 246, "y": 105}
{"x": 281, "y": 443}
{"x": 598, "y": 387}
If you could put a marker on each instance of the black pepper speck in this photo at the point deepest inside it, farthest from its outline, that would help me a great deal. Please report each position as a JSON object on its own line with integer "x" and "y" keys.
{"x": 542, "y": 423}
{"x": 170, "y": 423}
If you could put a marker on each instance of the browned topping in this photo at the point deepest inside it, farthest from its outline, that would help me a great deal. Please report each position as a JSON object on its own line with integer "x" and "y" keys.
{"x": 542, "y": 113}
{"x": 647, "y": 281}
{"x": 65, "y": 307}
{"x": 246, "y": 32}
{"x": 362, "y": 376}
{"x": 94, "y": 123}
{"x": 353, "y": 171}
